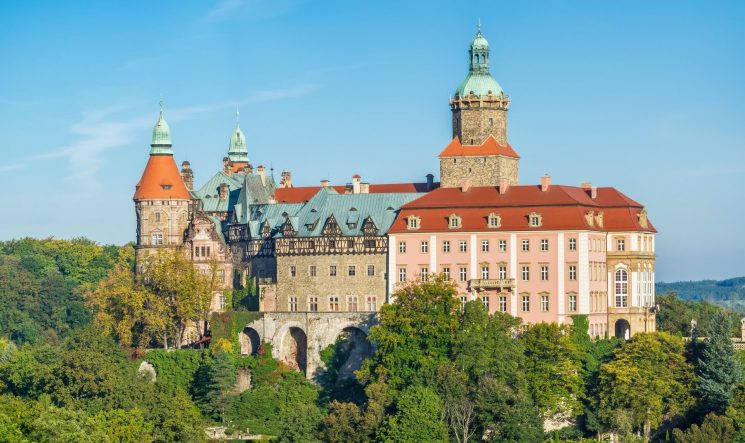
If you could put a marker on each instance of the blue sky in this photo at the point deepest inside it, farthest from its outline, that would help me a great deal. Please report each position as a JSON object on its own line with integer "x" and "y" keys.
{"x": 644, "y": 96}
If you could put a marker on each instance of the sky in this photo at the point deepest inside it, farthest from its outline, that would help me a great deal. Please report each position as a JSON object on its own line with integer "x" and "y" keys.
{"x": 644, "y": 96}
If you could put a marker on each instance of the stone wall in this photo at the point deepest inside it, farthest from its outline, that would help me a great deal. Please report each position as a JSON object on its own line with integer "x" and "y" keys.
{"x": 167, "y": 217}
{"x": 481, "y": 171}
{"x": 323, "y": 286}
{"x": 473, "y": 125}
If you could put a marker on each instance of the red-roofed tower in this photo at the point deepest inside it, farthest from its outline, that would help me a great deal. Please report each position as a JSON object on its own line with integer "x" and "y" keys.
{"x": 162, "y": 200}
{"x": 479, "y": 118}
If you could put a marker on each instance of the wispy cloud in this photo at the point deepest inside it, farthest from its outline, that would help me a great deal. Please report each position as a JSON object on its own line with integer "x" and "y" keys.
{"x": 103, "y": 129}
{"x": 250, "y": 9}
{"x": 12, "y": 167}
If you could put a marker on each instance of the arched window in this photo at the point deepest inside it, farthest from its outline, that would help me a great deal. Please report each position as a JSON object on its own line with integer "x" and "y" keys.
{"x": 622, "y": 288}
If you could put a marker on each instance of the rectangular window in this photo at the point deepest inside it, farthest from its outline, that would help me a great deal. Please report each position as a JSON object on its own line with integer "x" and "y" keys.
{"x": 462, "y": 273}
{"x": 502, "y": 245}
{"x": 502, "y": 303}
{"x": 526, "y": 245}
{"x": 293, "y": 304}
{"x": 371, "y": 270}
{"x": 196, "y": 251}
{"x": 312, "y": 270}
{"x": 424, "y": 274}
{"x": 572, "y": 244}
{"x": 221, "y": 275}
{"x": 544, "y": 303}
{"x": 313, "y": 304}
{"x": 424, "y": 246}
{"x": 485, "y": 272}
{"x": 157, "y": 238}
{"x": 463, "y": 300}
{"x": 544, "y": 244}
{"x": 208, "y": 251}
{"x": 503, "y": 272}
{"x": 526, "y": 273}
{"x": 446, "y": 246}
{"x": 351, "y": 270}
{"x": 401, "y": 275}
{"x": 484, "y": 245}
{"x": 446, "y": 273}
{"x": 372, "y": 304}
{"x": 526, "y": 303}
{"x": 544, "y": 273}
{"x": 463, "y": 246}
{"x": 621, "y": 245}
{"x": 221, "y": 300}
{"x": 157, "y": 216}
{"x": 572, "y": 303}
{"x": 293, "y": 271}
{"x": 402, "y": 247}
{"x": 572, "y": 272}
{"x": 333, "y": 303}
{"x": 332, "y": 271}
{"x": 352, "y": 303}
{"x": 485, "y": 302}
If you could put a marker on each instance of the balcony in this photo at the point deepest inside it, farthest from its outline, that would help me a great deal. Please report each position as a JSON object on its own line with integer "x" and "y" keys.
{"x": 491, "y": 283}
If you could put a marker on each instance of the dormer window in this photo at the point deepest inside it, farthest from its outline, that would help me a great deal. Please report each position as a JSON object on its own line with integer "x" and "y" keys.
{"x": 643, "y": 222}
{"x": 599, "y": 219}
{"x": 494, "y": 221}
{"x": 454, "y": 221}
{"x": 535, "y": 220}
{"x": 413, "y": 222}
{"x": 166, "y": 187}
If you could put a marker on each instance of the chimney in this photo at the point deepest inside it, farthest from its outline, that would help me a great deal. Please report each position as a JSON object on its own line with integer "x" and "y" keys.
{"x": 187, "y": 175}
{"x": 356, "y": 183}
{"x": 591, "y": 190}
{"x": 286, "y": 180}
{"x": 545, "y": 182}
{"x": 430, "y": 182}
{"x": 465, "y": 185}
{"x": 223, "y": 191}
{"x": 324, "y": 183}
{"x": 260, "y": 171}
{"x": 364, "y": 188}
{"x": 504, "y": 185}
{"x": 226, "y": 166}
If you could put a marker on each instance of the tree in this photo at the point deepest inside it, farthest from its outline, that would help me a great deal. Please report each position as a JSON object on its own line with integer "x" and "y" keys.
{"x": 418, "y": 418}
{"x": 718, "y": 368}
{"x": 414, "y": 335}
{"x": 552, "y": 368}
{"x": 219, "y": 386}
{"x": 648, "y": 380}
{"x": 715, "y": 428}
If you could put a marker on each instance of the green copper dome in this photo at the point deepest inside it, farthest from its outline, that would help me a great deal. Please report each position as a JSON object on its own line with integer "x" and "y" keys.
{"x": 237, "y": 150}
{"x": 161, "y": 143}
{"x": 479, "y": 80}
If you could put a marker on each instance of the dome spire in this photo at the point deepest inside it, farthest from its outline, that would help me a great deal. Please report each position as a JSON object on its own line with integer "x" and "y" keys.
{"x": 237, "y": 150}
{"x": 479, "y": 80}
{"x": 161, "y": 142}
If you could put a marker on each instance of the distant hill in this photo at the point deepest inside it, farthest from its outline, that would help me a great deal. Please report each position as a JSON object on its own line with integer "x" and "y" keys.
{"x": 729, "y": 293}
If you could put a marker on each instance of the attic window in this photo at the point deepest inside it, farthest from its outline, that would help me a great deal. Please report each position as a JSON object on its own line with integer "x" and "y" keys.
{"x": 389, "y": 208}
{"x": 166, "y": 187}
{"x": 494, "y": 221}
{"x": 313, "y": 210}
{"x": 353, "y": 209}
{"x": 413, "y": 222}
{"x": 454, "y": 221}
{"x": 535, "y": 220}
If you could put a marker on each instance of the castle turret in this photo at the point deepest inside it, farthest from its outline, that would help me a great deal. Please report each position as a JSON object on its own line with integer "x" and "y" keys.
{"x": 237, "y": 150}
{"x": 161, "y": 197}
{"x": 479, "y": 151}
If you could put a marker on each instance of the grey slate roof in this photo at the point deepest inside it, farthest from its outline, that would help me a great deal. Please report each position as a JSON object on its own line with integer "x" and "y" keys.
{"x": 209, "y": 193}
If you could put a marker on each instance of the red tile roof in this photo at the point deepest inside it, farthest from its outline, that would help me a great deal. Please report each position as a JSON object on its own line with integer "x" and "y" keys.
{"x": 489, "y": 147}
{"x": 304, "y": 193}
{"x": 561, "y": 207}
{"x": 161, "y": 180}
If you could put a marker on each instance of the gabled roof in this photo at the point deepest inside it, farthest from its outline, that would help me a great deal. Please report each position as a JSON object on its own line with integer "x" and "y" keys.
{"x": 561, "y": 207}
{"x": 161, "y": 180}
{"x": 209, "y": 193}
{"x": 305, "y": 193}
{"x": 489, "y": 147}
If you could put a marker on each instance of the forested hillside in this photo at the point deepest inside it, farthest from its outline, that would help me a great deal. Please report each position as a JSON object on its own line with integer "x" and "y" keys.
{"x": 729, "y": 293}
{"x": 76, "y": 325}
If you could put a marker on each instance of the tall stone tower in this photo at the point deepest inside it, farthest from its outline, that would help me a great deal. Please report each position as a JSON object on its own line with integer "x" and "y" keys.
{"x": 162, "y": 201}
{"x": 479, "y": 152}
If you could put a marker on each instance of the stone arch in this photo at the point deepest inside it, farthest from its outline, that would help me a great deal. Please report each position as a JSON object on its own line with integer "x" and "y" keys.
{"x": 294, "y": 348}
{"x": 353, "y": 343}
{"x": 623, "y": 329}
{"x": 250, "y": 341}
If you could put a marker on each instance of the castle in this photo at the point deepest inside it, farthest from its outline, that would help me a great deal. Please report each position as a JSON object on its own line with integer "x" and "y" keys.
{"x": 326, "y": 258}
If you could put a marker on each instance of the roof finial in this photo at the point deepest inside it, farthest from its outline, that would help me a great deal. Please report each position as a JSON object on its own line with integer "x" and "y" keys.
{"x": 237, "y": 116}
{"x": 478, "y": 25}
